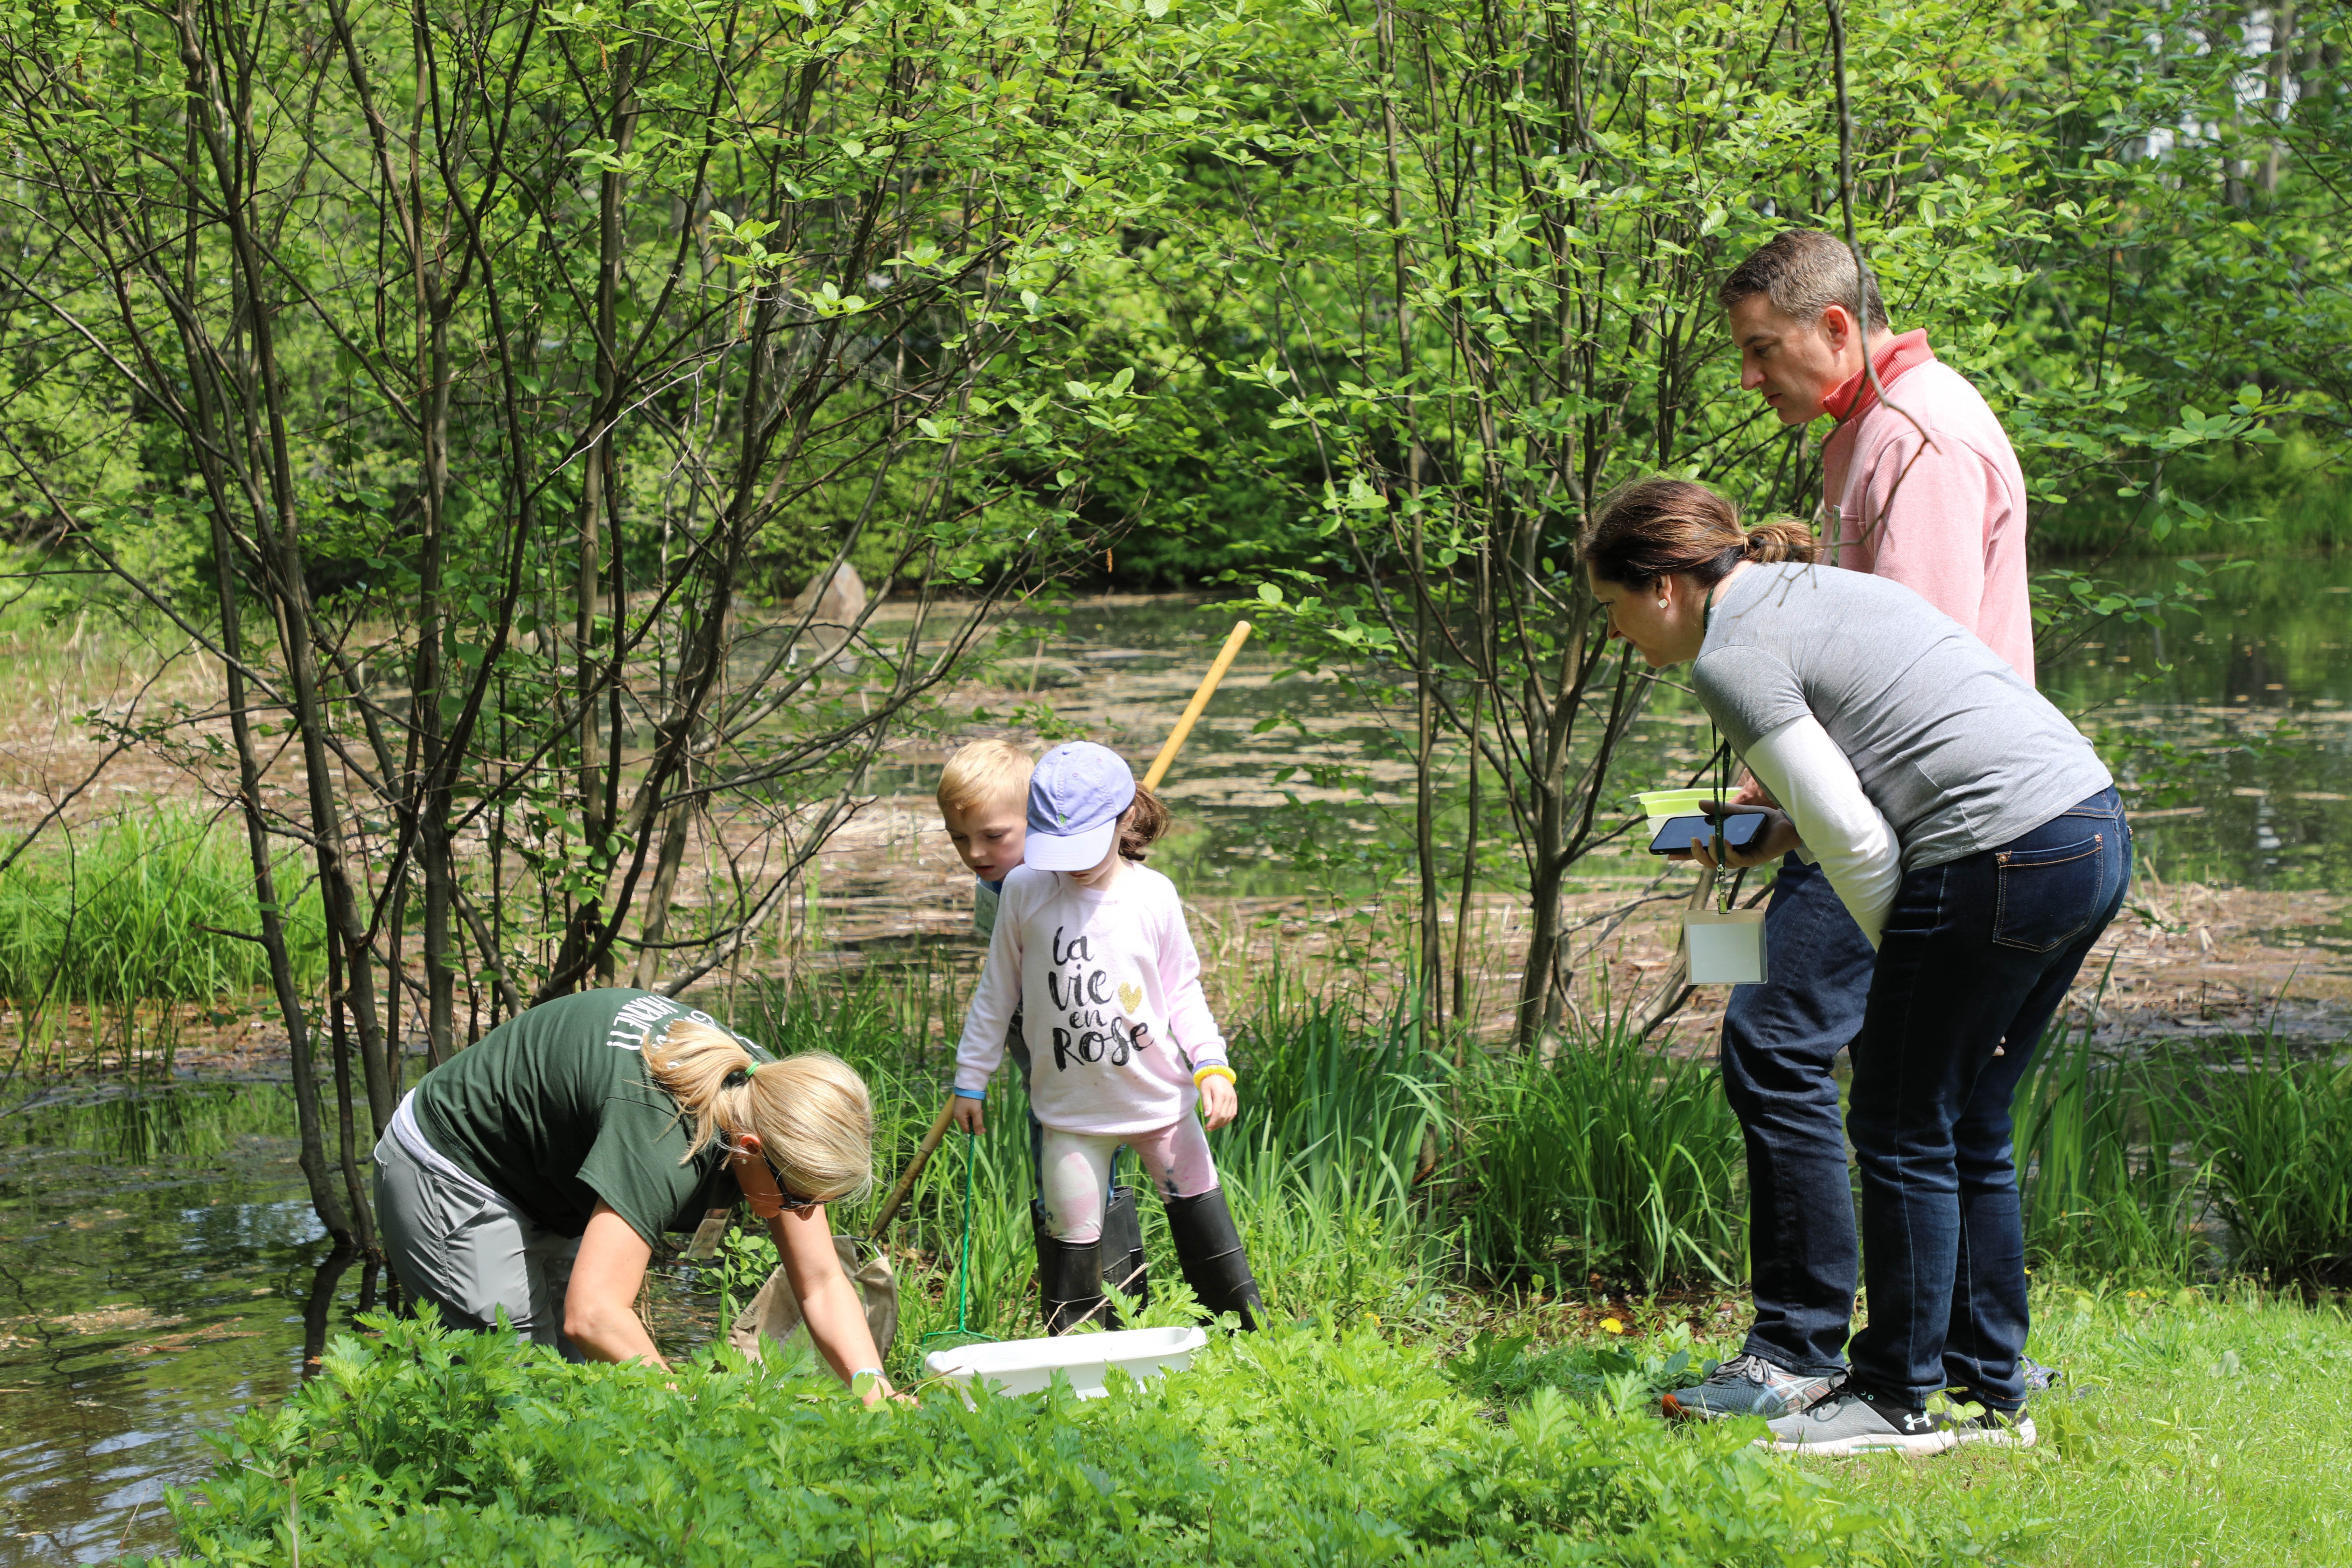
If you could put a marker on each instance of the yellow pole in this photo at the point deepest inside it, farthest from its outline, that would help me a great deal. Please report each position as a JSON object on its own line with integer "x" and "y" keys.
{"x": 1193, "y": 709}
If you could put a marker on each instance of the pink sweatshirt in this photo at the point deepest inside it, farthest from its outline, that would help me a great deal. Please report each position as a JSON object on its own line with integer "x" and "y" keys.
{"x": 1110, "y": 992}
{"x": 1943, "y": 513}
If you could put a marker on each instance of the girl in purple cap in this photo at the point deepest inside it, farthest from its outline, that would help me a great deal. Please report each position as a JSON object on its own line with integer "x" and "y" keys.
{"x": 1091, "y": 944}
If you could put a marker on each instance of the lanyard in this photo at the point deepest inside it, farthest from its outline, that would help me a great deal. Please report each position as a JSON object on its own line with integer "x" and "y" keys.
{"x": 1722, "y": 753}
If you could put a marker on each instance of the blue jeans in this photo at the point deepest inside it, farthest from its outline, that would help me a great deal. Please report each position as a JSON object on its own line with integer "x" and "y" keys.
{"x": 1780, "y": 1042}
{"x": 1976, "y": 958}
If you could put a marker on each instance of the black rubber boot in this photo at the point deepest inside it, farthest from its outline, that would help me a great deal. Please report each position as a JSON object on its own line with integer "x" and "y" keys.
{"x": 1124, "y": 1266}
{"x": 1210, "y": 1250}
{"x": 1069, "y": 1279}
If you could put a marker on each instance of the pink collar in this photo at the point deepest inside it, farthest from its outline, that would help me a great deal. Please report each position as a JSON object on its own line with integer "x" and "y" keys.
{"x": 1890, "y": 357}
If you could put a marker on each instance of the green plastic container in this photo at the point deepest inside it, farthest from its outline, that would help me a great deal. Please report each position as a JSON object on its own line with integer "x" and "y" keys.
{"x": 1663, "y": 806}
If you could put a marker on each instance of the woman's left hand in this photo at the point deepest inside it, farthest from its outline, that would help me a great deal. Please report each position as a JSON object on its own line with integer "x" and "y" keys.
{"x": 1778, "y": 836}
{"x": 829, "y": 1303}
{"x": 1219, "y": 1104}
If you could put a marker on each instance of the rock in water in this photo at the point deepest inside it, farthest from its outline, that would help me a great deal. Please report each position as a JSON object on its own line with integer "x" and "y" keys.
{"x": 833, "y": 601}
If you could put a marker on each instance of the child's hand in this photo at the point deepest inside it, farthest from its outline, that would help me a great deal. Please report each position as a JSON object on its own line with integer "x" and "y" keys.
{"x": 966, "y": 1114}
{"x": 1218, "y": 1102}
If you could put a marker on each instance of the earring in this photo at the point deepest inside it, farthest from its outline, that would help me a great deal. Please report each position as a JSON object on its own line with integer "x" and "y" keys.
{"x": 1662, "y": 604}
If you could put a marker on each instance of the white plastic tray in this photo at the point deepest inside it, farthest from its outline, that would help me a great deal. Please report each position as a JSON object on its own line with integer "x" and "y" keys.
{"x": 1025, "y": 1366}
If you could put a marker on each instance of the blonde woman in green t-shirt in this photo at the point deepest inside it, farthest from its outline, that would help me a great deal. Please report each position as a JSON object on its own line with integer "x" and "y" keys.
{"x": 534, "y": 1175}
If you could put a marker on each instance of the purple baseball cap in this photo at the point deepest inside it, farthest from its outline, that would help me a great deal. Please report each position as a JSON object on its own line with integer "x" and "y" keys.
{"x": 1076, "y": 796}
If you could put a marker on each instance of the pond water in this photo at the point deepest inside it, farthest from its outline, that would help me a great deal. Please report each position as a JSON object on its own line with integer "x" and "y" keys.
{"x": 2233, "y": 717}
{"x": 159, "y": 1269}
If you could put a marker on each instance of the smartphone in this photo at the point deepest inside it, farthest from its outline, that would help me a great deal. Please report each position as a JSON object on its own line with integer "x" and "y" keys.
{"x": 1739, "y": 831}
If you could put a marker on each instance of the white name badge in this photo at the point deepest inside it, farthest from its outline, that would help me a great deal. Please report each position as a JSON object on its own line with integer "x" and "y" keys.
{"x": 1726, "y": 948}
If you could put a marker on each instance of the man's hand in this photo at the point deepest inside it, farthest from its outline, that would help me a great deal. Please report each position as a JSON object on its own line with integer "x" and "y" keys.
{"x": 1219, "y": 1104}
{"x": 1751, "y": 792}
{"x": 1779, "y": 836}
{"x": 966, "y": 1115}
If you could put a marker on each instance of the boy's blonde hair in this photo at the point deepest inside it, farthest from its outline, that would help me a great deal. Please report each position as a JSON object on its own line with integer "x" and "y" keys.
{"x": 985, "y": 772}
{"x": 811, "y": 1113}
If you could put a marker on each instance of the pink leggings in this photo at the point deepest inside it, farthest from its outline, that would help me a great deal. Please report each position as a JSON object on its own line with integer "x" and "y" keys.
{"x": 1075, "y": 1172}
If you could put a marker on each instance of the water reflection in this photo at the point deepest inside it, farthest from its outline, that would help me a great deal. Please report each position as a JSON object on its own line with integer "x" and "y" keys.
{"x": 161, "y": 1271}
{"x": 158, "y": 1272}
{"x": 2237, "y": 720}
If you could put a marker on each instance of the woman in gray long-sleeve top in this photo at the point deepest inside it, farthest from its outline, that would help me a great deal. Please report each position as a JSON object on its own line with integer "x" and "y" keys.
{"x": 1979, "y": 843}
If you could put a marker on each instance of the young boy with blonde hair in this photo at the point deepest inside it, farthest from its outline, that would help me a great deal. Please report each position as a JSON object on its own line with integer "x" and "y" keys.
{"x": 984, "y": 798}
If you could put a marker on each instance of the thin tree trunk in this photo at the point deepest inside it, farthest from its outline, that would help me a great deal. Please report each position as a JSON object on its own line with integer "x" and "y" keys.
{"x": 312, "y": 1155}
{"x": 1429, "y": 979}
{"x": 1469, "y": 878}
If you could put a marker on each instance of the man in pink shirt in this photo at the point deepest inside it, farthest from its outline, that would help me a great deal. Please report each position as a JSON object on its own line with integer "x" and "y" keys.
{"x": 1919, "y": 485}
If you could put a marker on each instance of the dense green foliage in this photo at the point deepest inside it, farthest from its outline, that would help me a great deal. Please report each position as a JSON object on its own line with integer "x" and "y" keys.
{"x": 1296, "y": 1446}
{"x": 1371, "y": 1174}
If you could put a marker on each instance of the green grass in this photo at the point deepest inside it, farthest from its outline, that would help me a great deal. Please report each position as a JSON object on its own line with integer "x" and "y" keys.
{"x": 1370, "y": 1175}
{"x": 144, "y": 908}
{"x": 2106, "y": 1188}
{"x": 2193, "y": 1432}
{"x": 1414, "y": 1400}
{"x": 1610, "y": 1158}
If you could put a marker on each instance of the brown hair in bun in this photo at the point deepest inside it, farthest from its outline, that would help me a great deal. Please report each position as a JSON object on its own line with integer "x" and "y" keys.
{"x": 1665, "y": 528}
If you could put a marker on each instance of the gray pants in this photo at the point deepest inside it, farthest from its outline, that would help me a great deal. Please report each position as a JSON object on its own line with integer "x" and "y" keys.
{"x": 460, "y": 1245}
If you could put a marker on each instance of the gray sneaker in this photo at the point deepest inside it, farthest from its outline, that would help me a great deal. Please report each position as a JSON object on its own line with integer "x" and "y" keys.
{"x": 1851, "y": 1422}
{"x": 2038, "y": 1378}
{"x": 1747, "y": 1384}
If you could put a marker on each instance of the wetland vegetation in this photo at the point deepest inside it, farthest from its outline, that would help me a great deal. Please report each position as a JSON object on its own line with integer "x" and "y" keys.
{"x": 502, "y": 501}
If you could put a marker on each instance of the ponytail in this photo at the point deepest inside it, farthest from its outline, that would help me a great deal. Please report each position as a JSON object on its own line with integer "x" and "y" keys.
{"x": 813, "y": 1114}
{"x": 1782, "y": 538}
{"x": 1664, "y": 528}
{"x": 1141, "y": 825}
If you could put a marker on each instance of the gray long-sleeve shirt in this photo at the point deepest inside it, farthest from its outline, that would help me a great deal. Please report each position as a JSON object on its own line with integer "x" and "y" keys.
{"x": 1952, "y": 748}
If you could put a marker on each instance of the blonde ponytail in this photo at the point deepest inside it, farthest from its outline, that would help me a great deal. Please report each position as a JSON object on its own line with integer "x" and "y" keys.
{"x": 811, "y": 1113}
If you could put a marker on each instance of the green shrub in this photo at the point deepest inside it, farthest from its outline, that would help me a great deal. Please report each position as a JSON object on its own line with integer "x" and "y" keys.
{"x": 1290, "y": 1446}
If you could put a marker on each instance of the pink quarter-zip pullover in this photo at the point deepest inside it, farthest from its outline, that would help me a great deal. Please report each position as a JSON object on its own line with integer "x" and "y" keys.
{"x": 1929, "y": 493}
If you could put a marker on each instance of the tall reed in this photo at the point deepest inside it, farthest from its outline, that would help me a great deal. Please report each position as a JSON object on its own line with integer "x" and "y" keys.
{"x": 1610, "y": 1157}
{"x": 154, "y": 908}
{"x": 2278, "y": 1134}
{"x": 2096, "y": 1145}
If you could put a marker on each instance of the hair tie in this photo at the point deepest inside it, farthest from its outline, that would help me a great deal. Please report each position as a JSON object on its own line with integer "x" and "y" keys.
{"x": 741, "y": 1076}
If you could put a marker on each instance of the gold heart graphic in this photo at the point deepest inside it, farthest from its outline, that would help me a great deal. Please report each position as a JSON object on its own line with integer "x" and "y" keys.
{"x": 1130, "y": 995}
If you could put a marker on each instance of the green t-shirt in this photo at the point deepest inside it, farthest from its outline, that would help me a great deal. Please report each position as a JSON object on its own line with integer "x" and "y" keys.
{"x": 555, "y": 1109}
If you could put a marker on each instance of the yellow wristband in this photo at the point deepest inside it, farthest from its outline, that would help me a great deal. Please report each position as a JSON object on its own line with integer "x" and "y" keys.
{"x": 1218, "y": 1069}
